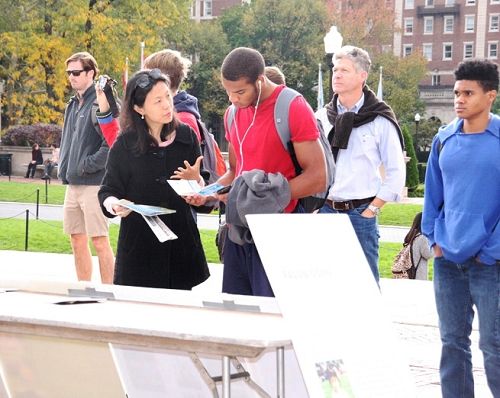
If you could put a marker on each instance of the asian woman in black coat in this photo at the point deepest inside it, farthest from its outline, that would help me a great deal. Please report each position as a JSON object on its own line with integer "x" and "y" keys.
{"x": 152, "y": 147}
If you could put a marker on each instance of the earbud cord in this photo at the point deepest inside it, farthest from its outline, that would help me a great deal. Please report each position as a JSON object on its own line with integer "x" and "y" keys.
{"x": 240, "y": 142}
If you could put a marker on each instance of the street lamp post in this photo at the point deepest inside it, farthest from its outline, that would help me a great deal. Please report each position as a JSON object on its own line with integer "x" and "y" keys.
{"x": 417, "y": 121}
{"x": 333, "y": 42}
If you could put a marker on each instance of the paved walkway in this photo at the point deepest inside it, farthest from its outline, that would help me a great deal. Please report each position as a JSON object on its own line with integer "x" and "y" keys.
{"x": 205, "y": 221}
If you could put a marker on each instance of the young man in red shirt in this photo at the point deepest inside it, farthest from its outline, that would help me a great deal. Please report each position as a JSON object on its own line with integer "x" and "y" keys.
{"x": 254, "y": 144}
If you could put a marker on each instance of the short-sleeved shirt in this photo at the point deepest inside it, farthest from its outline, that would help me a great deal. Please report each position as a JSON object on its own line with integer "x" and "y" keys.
{"x": 258, "y": 145}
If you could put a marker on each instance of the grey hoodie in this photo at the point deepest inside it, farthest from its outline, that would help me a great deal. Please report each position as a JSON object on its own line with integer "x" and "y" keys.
{"x": 254, "y": 192}
{"x": 84, "y": 151}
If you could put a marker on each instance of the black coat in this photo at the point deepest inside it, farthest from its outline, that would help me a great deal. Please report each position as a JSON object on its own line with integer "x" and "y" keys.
{"x": 141, "y": 260}
{"x": 36, "y": 155}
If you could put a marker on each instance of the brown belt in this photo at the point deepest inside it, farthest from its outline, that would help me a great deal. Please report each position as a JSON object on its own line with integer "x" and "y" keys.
{"x": 348, "y": 204}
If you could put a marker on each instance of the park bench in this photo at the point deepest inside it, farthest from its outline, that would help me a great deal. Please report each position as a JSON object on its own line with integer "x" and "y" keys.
{"x": 40, "y": 169}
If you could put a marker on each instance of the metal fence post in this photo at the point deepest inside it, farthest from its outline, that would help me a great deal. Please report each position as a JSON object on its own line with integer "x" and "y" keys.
{"x": 27, "y": 229}
{"x": 37, "y": 201}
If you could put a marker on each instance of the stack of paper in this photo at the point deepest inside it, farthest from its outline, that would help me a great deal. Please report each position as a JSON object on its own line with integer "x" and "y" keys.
{"x": 190, "y": 187}
{"x": 150, "y": 215}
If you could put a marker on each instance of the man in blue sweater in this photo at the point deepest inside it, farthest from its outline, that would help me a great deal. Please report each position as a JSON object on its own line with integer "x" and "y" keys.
{"x": 461, "y": 219}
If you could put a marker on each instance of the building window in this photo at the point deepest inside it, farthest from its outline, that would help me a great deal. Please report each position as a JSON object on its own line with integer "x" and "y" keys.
{"x": 429, "y": 3}
{"x": 470, "y": 2}
{"x": 449, "y": 3}
{"x": 447, "y": 51}
{"x": 407, "y": 49}
{"x": 409, "y": 4}
{"x": 494, "y": 1}
{"x": 494, "y": 22}
{"x": 207, "y": 8}
{"x": 468, "y": 50}
{"x": 408, "y": 26}
{"x": 427, "y": 51}
{"x": 493, "y": 49}
{"x": 449, "y": 21}
{"x": 436, "y": 79}
{"x": 469, "y": 23}
{"x": 428, "y": 25}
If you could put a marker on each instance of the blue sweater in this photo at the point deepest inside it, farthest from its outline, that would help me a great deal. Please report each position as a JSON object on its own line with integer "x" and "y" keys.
{"x": 462, "y": 193}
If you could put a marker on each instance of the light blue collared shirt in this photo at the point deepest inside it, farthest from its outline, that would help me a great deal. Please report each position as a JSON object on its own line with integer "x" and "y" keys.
{"x": 358, "y": 172}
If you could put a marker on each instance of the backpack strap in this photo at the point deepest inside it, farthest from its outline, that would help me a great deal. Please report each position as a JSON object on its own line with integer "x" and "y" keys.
{"x": 230, "y": 117}
{"x": 282, "y": 114}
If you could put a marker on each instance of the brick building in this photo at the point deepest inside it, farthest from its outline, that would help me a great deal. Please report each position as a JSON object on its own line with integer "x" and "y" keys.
{"x": 446, "y": 32}
{"x": 209, "y": 9}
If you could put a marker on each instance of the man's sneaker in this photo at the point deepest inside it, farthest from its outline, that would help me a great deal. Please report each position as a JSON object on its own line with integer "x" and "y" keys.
{"x": 46, "y": 177}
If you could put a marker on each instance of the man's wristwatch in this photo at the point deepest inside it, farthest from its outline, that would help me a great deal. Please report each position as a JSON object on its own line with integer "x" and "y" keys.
{"x": 374, "y": 209}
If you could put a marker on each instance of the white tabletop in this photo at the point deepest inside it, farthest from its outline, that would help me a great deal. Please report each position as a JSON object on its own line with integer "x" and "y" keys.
{"x": 177, "y": 321}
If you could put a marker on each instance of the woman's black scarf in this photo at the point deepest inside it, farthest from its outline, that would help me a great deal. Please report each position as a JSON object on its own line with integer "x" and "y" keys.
{"x": 344, "y": 123}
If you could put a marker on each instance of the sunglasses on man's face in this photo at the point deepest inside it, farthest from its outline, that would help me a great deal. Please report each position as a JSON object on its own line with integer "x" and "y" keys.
{"x": 75, "y": 72}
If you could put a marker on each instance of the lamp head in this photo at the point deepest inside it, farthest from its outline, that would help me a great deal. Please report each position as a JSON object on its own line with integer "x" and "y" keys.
{"x": 333, "y": 40}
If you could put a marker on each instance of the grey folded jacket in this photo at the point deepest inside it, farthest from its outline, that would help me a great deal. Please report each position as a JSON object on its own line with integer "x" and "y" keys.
{"x": 254, "y": 192}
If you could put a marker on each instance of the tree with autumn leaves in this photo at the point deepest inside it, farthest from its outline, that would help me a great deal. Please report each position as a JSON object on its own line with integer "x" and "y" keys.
{"x": 37, "y": 37}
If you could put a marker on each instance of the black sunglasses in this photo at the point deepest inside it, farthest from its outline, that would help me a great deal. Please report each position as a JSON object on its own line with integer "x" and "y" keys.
{"x": 75, "y": 72}
{"x": 148, "y": 79}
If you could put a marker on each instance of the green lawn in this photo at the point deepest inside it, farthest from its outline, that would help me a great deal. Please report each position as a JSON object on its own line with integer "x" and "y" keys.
{"x": 398, "y": 214}
{"x": 47, "y": 236}
{"x": 25, "y": 192}
{"x": 392, "y": 214}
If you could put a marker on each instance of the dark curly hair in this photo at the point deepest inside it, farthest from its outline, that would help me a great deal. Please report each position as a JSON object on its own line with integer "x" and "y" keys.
{"x": 483, "y": 71}
{"x": 138, "y": 87}
{"x": 243, "y": 62}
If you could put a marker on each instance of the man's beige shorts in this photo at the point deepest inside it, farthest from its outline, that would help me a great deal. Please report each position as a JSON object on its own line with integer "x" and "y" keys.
{"x": 82, "y": 212}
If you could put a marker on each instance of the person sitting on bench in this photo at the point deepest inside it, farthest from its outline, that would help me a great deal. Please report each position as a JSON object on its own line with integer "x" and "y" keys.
{"x": 36, "y": 159}
{"x": 51, "y": 162}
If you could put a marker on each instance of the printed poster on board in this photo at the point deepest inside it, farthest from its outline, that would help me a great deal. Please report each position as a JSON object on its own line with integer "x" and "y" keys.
{"x": 341, "y": 331}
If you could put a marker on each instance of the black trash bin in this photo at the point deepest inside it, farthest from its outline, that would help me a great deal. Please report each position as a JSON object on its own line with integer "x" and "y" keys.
{"x": 6, "y": 164}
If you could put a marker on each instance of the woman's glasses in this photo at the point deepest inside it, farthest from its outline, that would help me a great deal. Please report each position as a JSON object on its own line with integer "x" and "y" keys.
{"x": 148, "y": 79}
{"x": 75, "y": 72}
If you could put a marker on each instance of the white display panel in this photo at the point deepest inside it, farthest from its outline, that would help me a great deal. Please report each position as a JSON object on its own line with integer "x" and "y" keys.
{"x": 340, "y": 328}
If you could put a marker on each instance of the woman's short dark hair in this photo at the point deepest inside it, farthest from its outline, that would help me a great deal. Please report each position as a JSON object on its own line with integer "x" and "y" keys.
{"x": 483, "y": 71}
{"x": 243, "y": 62}
{"x": 138, "y": 87}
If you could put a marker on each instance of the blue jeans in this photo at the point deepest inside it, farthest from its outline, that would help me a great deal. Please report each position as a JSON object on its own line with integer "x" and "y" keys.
{"x": 367, "y": 232}
{"x": 243, "y": 271}
{"x": 457, "y": 287}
